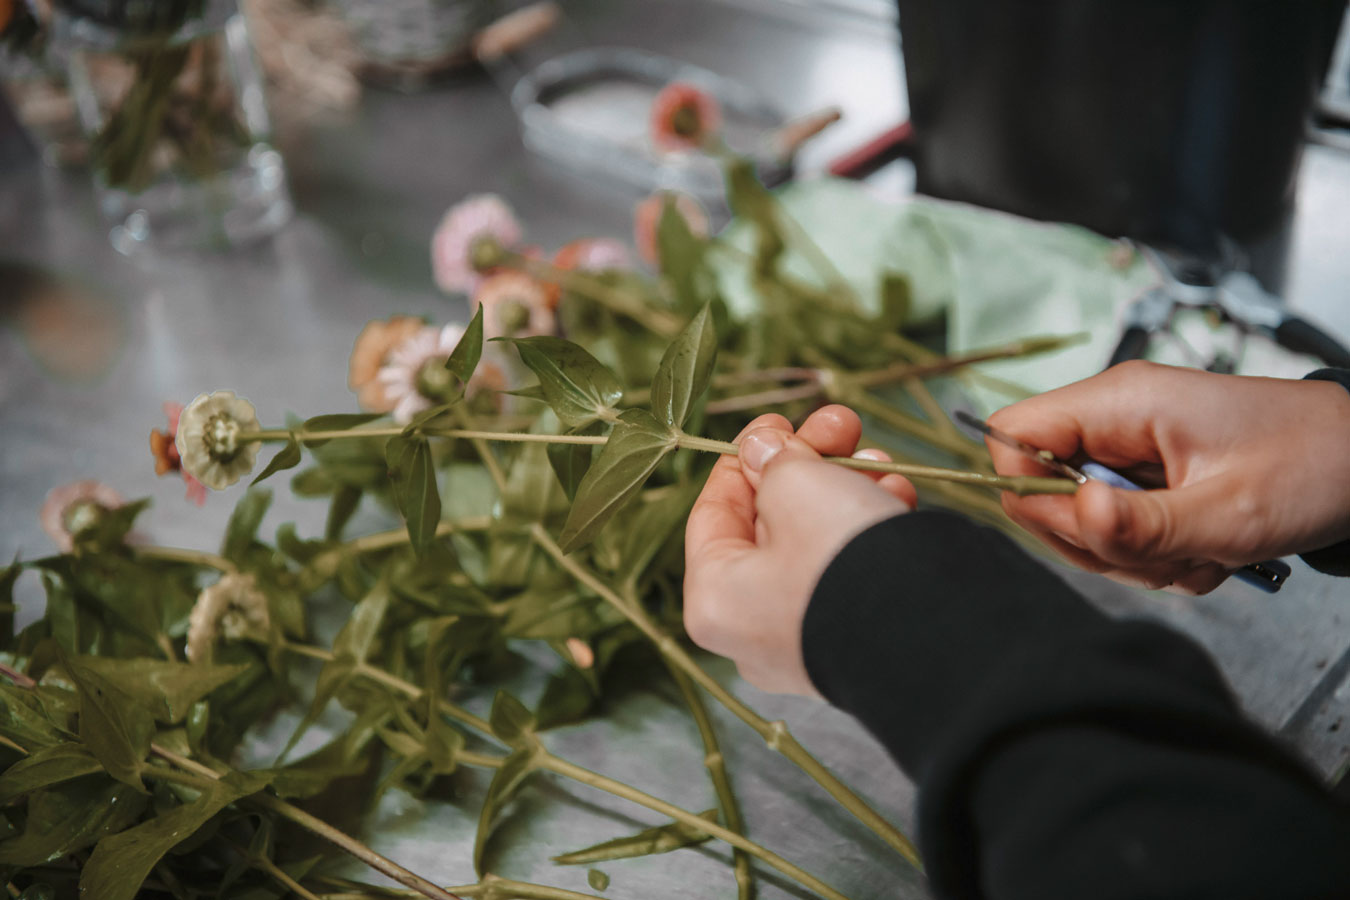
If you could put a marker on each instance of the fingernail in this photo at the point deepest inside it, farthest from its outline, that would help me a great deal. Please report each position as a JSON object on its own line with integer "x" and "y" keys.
{"x": 758, "y": 447}
{"x": 872, "y": 454}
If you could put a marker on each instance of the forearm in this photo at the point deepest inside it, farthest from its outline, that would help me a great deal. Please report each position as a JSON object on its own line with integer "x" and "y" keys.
{"x": 1058, "y": 753}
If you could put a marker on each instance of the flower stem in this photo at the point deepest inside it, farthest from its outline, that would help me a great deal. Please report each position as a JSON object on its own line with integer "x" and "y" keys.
{"x": 189, "y": 557}
{"x": 492, "y": 887}
{"x": 940, "y": 365}
{"x": 775, "y": 734}
{"x": 615, "y": 300}
{"x": 315, "y": 825}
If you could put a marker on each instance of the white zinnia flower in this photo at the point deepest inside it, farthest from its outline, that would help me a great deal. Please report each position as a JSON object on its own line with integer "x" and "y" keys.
{"x": 208, "y": 438}
{"x": 452, "y": 246}
{"x": 415, "y": 376}
{"x": 232, "y": 607}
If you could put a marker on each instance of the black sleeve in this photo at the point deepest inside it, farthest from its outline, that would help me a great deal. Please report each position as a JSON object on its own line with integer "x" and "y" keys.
{"x": 1059, "y": 753}
{"x": 1333, "y": 560}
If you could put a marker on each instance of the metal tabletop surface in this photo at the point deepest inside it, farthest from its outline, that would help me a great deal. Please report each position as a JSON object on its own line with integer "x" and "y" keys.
{"x": 91, "y": 344}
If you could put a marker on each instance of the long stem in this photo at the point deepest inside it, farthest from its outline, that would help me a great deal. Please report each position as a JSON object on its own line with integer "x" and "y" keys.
{"x": 562, "y": 767}
{"x": 716, "y": 764}
{"x": 775, "y": 734}
{"x": 615, "y": 300}
{"x": 940, "y": 365}
{"x": 491, "y": 886}
{"x": 317, "y": 826}
{"x": 190, "y": 557}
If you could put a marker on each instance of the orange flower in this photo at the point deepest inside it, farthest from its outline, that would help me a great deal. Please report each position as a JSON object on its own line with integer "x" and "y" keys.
{"x": 647, "y": 217}
{"x": 514, "y": 305}
{"x": 165, "y": 451}
{"x": 371, "y": 352}
{"x": 684, "y": 117}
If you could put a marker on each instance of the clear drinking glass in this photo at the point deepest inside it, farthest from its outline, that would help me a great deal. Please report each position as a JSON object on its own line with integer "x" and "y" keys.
{"x": 177, "y": 126}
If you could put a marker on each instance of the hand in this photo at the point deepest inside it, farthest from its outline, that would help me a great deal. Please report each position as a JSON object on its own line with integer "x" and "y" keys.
{"x": 1254, "y": 468}
{"x": 762, "y": 532}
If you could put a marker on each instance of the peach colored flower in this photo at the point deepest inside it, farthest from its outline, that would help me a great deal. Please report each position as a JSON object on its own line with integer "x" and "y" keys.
{"x": 592, "y": 255}
{"x": 415, "y": 378}
{"x": 647, "y": 217}
{"x": 465, "y": 224}
{"x": 582, "y": 654}
{"x": 684, "y": 117}
{"x": 165, "y": 452}
{"x": 233, "y": 607}
{"x": 208, "y": 439}
{"x": 514, "y": 305}
{"x": 370, "y": 352}
{"x": 73, "y": 507}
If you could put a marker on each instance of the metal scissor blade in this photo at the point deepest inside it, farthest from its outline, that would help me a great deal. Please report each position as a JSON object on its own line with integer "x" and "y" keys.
{"x": 1044, "y": 457}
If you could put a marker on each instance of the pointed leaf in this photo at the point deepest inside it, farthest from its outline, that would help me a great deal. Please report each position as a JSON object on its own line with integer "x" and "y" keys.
{"x": 510, "y": 720}
{"x": 335, "y": 422}
{"x": 114, "y": 725}
{"x": 48, "y": 766}
{"x": 414, "y": 482}
{"x": 120, "y": 863}
{"x": 288, "y": 457}
{"x": 505, "y": 783}
{"x": 685, "y": 370}
{"x": 662, "y": 839}
{"x": 571, "y": 461}
{"x": 578, "y": 387}
{"x": 426, "y": 416}
{"x": 8, "y": 576}
{"x": 69, "y": 817}
{"x": 244, "y": 521}
{"x": 464, "y": 358}
{"x": 167, "y": 689}
{"x": 345, "y": 501}
{"x": 358, "y": 636}
{"x": 634, "y": 450}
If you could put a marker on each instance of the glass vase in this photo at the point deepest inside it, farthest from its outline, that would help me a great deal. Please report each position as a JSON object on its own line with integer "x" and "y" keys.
{"x": 177, "y": 124}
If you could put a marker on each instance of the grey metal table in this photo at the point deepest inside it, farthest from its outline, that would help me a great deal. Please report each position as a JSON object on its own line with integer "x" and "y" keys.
{"x": 85, "y": 365}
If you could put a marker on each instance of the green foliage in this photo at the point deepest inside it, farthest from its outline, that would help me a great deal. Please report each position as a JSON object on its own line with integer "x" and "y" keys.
{"x": 575, "y": 384}
{"x": 288, "y": 457}
{"x": 685, "y": 370}
{"x": 464, "y": 358}
{"x": 413, "y": 479}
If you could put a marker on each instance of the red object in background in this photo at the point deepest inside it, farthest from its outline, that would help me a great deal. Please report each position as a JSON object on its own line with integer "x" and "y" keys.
{"x": 891, "y": 144}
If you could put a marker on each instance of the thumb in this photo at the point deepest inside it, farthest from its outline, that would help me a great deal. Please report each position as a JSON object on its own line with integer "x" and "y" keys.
{"x": 763, "y": 447}
{"x": 1130, "y": 528}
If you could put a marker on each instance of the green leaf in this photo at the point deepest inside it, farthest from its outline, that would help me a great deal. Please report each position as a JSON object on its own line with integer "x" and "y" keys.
{"x": 414, "y": 482}
{"x": 464, "y": 358}
{"x": 335, "y": 422}
{"x": 23, "y": 720}
{"x": 345, "y": 501}
{"x": 288, "y": 457}
{"x": 244, "y": 521}
{"x": 167, "y": 689}
{"x": 48, "y": 766}
{"x": 685, "y": 370}
{"x": 121, "y": 862}
{"x": 681, "y": 255}
{"x": 505, "y": 782}
{"x": 115, "y": 725}
{"x": 661, "y": 839}
{"x": 511, "y": 722}
{"x": 578, "y": 387}
{"x": 568, "y": 698}
{"x": 8, "y": 576}
{"x": 571, "y": 461}
{"x": 71, "y": 816}
{"x": 632, "y": 453}
{"x": 426, "y": 416}
{"x": 598, "y": 880}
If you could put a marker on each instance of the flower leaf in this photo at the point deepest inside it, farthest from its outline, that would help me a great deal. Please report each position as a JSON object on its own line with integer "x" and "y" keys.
{"x": 685, "y": 370}
{"x": 414, "y": 482}
{"x": 634, "y": 450}
{"x": 345, "y": 500}
{"x": 681, "y": 255}
{"x": 69, "y": 817}
{"x": 577, "y": 385}
{"x": 464, "y": 358}
{"x": 505, "y": 783}
{"x": 114, "y": 725}
{"x": 244, "y": 521}
{"x": 167, "y": 689}
{"x": 288, "y": 457}
{"x": 571, "y": 461}
{"x": 511, "y": 721}
{"x": 335, "y": 422}
{"x": 661, "y": 839}
{"x": 8, "y": 576}
{"x": 56, "y": 764}
{"x": 23, "y": 720}
{"x": 121, "y": 862}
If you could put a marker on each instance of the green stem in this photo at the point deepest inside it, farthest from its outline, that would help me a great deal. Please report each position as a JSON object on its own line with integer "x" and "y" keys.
{"x": 273, "y": 871}
{"x": 716, "y": 764}
{"x": 653, "y": 319}
{"x": 317, "y": 826}
{"x": 775, "y": 734}
{"x": 941, "y": 365}
{"x": 190, "y": 557}
{"x": 892, "y": 418}
{"x": 492, "y": 887}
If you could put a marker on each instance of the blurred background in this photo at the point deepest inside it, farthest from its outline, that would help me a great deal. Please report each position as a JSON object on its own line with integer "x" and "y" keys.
{"x": 207, "y": 194}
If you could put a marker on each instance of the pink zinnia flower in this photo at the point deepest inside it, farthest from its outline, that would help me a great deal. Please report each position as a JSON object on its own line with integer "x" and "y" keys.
{"x": 465, "y": 224}
{"x": 647, "y": 217}
{"x": 514, "y": 305}
{"x": 73, "y": 507}
{"x": 370, "y": 352}
{"x": 415, "y": 377}
{"x": 684, "y": 117}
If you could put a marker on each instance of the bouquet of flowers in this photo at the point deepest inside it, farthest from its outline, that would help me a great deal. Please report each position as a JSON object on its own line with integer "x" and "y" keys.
{"x": 542, "y": 483}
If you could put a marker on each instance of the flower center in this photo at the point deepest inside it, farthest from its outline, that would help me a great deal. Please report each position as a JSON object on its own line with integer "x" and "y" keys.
{"x": 485, "y": 252}
{"x": 513, "y": 315}
{"x": 81, "y": 516}
{"x": 686, "y": 122}
{"x": 221, "y": 436}
{"x": 434, "y": 380}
